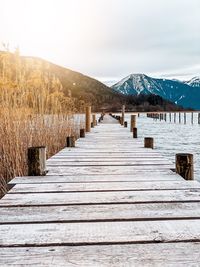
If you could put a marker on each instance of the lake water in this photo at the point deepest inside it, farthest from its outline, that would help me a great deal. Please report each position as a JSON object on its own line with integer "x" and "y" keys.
{"x": 171, "y": 138}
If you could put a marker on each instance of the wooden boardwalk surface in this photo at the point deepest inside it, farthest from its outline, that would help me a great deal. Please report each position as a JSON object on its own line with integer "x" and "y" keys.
{"x": 106, "y": 202}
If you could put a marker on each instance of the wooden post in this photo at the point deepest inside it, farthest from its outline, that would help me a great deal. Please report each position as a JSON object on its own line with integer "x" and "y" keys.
{"x": 133, "y": 122}
{"x": 170, "y": 117}
{"x": 37, "y": 161}
{"x": 148, "y": 142}
{"x": 123, "y": 114}
{"x": 82, "y": 133}
{"x": 179, "y": 117}
{"x": 125, "y": 124}
{"x": 192, "y": 118}
{"x": 134, "y": 132}
{"x": 94, "y": 119}
{"x": 184, "y": 118}
{"x": 88, "y": 119}
{"x": 92, "y": 124}
{"x": 184, "y": 166}
{"x": 174, "y": 117}
{"x": 70, "y": 142}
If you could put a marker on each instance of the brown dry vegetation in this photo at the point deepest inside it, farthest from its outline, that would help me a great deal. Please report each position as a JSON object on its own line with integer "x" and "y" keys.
{"x": 34, "y": 111}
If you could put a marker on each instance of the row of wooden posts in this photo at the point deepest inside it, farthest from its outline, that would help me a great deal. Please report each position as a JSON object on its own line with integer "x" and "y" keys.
{"x": 173, "y": 117}
{"x": 184, "y": 161}
{"x": 37, "y": 155}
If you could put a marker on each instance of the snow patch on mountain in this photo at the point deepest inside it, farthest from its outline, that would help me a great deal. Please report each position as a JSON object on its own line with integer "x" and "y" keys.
{"x": 186, "y": 94}
{"x": 194, "y": 82}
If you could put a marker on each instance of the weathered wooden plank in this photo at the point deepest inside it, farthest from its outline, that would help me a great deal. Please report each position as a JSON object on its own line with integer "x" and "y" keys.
{"x": 113, "y": 212}
{"x": 77, "y": 170}
{"x": 96, "y": 178}
{"x": 109, "y": 163}
{"x": 103, "y": 150}
{"x": 99, "y": 233}
{"x": 36, "y": 199}
{"x": 66, "y": 152}
{"x": 114, "y": 186}
{"x": 87, "y": 157}
{"x": 144, "y": 255}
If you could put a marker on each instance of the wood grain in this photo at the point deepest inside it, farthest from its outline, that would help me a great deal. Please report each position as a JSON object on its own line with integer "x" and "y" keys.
{"x": 115, "y": 212}
{"x": 93, "y": 187}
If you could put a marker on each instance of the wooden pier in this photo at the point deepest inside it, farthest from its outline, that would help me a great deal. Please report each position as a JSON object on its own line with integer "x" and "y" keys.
{"x": 106, "y": 202}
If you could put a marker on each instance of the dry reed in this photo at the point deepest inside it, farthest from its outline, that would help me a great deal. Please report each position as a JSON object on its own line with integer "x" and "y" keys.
{"x": 33, "y": 112}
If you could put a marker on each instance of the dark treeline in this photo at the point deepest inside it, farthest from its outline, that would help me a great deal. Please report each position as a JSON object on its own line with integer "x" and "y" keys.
{"x": 149, "y": 102}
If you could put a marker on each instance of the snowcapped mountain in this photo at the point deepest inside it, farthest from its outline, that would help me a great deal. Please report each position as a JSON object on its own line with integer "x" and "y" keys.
{"x": 186, "y": 94}
{"x": 194, "y": 82}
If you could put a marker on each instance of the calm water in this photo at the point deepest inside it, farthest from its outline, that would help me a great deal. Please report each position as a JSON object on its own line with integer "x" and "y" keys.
{"x": 171, "y": 138}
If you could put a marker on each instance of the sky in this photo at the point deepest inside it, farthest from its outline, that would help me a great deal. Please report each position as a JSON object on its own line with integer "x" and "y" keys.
{"x": 107, "y": 39}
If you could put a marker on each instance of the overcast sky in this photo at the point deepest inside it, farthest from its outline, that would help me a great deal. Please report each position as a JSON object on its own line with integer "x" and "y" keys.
{"x": 108, "y": 39}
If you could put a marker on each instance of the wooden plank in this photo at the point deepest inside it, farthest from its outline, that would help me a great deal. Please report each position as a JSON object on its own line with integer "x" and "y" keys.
{"x": 99, "y": 233}
{"x": 147, "y": 255}
{"x": 77, "y": 170}
{"x": 109, "y": 163}
{"x": 42, "y": 199}
{"x": 114, "y": 186}
{"x": 104, "y": 158}
{"x": 108, "y": 156}
{"x": 82, "y": 150}
{"x": 114, "y": 212}
{"x": 87, "y": 158}
{"x": 96, "y": 178}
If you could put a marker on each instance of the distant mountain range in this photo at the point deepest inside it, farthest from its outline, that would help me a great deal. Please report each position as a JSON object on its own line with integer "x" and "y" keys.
{"x": 186, "y": 94}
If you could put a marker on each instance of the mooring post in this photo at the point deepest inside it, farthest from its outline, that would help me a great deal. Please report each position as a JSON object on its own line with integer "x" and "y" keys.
{"x": 70, "y": 141}
{"x": 125, "y": 124}
{"x": 148, "y": 142}
{"x": 184, "y": 118}
{"x": 88, "y": 119}
{"x": 134, "y": 132}
{"x": 184, "y": 166}
{"x": 123, "y": 114}
{"x": 92, "y": 124}
{"x": 133, "y": 122}
{"x": 37, "y": 161}
{"x": 94, "y": 119}
{"x": 174, "y": 117}
{"x": 82, "y": 133}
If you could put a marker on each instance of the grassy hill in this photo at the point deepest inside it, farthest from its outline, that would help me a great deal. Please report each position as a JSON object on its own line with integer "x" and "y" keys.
{"x": 68, "y": 86}
{"x": 80, "y": 86}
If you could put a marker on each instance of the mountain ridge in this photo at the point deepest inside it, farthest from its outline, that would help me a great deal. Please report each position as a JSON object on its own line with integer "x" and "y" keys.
{"x": 186, "y": 94}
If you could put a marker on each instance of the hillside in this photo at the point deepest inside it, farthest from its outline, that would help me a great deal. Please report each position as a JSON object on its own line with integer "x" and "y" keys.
{"x": 37, "y": 78}
{"x": 80, "y": 86}
{"x": 186, "y": 94}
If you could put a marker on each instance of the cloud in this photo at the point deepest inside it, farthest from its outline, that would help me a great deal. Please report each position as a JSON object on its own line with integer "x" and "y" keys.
{"x": 107, "y": 38}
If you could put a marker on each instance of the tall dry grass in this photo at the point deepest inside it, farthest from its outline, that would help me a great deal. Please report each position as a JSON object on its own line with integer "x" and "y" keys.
{"x": 33, "y": 112}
